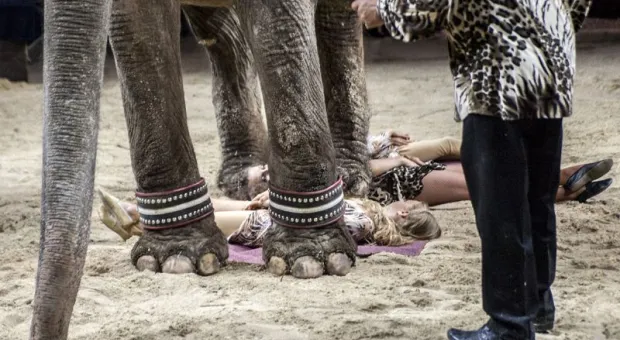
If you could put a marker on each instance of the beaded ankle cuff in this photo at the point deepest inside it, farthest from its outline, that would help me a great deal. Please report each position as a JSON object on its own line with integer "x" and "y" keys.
{"x": 306, "y": 210}
{"x": 174, "y": 208}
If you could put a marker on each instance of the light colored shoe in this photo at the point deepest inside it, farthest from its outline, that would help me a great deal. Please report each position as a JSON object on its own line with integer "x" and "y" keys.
{"x": 115, "y": 216}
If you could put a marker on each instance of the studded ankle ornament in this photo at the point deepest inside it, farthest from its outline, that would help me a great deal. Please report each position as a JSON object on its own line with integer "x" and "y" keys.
{"x": 174, "y": 208}
{"x": 306, "y": 210}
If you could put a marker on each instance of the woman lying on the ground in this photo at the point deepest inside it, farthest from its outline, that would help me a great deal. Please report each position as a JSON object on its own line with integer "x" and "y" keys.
{"x": 406, "y": 170}
{"x": 245, "y": 222}
{"x": 384, "y": 145}
{"x": 435, "y": 183}
{"x": 394, "y": 178}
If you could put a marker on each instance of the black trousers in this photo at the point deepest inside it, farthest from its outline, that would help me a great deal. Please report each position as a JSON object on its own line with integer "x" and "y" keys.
{"x": 512, "y": 169}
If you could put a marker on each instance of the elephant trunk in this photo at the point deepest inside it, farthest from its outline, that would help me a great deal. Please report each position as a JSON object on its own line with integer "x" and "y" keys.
{"x": 74, "y": 45}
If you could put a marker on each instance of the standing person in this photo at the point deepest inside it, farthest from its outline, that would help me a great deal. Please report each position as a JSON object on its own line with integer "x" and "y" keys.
{"x": 513, "y": 63}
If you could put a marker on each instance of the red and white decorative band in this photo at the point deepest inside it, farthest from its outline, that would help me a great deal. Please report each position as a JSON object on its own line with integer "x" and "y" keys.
{"x": 174, "y": 208}
{"x": 307, "y": 209}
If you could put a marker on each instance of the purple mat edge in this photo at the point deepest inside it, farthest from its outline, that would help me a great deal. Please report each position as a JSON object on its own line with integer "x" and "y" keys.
{"x": 243, "y": 254}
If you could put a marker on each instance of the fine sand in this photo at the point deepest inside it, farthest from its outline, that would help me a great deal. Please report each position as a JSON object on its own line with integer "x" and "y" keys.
{"x": 385, "y": 297}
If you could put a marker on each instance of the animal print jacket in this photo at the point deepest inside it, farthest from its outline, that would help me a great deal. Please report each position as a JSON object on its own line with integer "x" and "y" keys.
{"x": 513, "y": 59}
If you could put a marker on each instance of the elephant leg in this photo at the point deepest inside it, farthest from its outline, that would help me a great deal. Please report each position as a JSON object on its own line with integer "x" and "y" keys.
{"x": 180, "y": 231}
{"x": 73, "y": 77}
{"x": 302, "y": 164}
{"x": 341, "y": 51}
{"x": 236, "y": 96}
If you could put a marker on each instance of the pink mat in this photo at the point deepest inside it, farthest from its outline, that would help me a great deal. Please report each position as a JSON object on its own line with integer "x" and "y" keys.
{"x": 243, "y": 254}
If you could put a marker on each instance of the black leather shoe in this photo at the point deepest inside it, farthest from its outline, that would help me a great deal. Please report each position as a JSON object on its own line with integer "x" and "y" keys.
{"x": 484, "y": 333}
{"x": 587, "y": 174}
{"x": 593, "y": 189}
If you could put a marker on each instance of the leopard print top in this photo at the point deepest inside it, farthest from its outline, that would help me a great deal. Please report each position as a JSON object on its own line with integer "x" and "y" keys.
{"x": 400, "y": 183}
{"x": 514, "y": 59}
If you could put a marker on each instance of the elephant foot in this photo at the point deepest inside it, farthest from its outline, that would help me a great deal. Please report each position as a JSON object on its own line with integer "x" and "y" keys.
{"x": 180, "y": 233}
{"x": 233, "y": 184}
{"x": 239, "y": 181}
{"x": 355, "y": 178}
{"x": 197, "y": 248}
{"x": 309, "y": 253}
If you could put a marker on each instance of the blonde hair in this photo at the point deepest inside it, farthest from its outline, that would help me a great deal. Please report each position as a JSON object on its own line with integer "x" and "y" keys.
{"x": 421, "y": 225}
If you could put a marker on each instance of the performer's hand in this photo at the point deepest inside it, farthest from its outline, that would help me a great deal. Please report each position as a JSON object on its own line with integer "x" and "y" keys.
{"x": 367, "y": 12}
{"x": 261, "y": 201}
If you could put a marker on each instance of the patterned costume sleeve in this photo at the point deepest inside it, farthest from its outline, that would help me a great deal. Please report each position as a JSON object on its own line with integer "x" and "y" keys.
{"x": 409, "y": 20}
{"x": 578, "y": 11}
